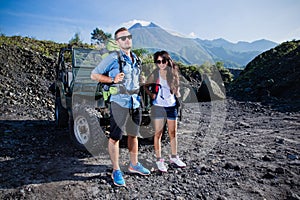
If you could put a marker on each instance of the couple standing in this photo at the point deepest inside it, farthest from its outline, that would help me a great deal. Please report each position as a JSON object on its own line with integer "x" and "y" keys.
{"x": 125, "y": 112}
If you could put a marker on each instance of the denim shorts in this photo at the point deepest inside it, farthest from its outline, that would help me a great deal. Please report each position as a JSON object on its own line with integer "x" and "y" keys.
{"x": 158, "y": 112}
{"x": 124, "y": 120}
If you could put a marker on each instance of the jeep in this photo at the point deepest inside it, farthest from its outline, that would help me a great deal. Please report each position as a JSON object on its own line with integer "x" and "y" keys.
{"x": 79, "y": 102}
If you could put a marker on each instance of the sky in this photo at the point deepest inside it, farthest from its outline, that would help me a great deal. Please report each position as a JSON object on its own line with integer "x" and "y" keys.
{"x": 232, "y": 20}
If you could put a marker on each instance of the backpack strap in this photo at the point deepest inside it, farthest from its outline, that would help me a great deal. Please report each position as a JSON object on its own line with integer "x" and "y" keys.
{"x": 121, "y": 61}
{"x": 139, "y": 62}
{"x": 157, "y": 81}
{"x": 157, "y": 85}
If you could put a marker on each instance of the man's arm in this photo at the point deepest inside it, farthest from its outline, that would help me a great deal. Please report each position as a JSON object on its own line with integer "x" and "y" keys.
{"x": 101, "y": 78}
{"x": 106, "y": 79}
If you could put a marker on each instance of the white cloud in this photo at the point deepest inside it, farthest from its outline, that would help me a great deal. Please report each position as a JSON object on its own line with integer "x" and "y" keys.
{"x": 192, "y": 35}
{"x": 112, "y": 29}
{"x": 175, "y": 33}
{"x": 132, "y": 22}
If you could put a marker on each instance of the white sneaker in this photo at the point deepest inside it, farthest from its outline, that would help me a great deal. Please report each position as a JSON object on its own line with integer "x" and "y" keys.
{"x": 161, "y": 165}
{"x": 177, "y": 162}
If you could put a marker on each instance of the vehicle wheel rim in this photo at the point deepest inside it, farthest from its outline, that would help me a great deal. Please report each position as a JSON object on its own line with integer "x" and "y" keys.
{"x": 81, "y": 130}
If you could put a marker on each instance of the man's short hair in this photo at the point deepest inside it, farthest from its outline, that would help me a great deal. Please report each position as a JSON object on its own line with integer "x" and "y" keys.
{"x": 120, "y": 30}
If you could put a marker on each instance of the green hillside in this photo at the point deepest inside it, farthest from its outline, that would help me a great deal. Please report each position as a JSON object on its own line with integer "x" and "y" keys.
{"x": 272, "y": 76}
{"x": 46, "y": 48}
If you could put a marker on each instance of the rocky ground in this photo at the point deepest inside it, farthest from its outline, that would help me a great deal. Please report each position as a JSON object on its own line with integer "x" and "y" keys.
{"x": 243, "y": 151}
{"x": 233, "y": 150}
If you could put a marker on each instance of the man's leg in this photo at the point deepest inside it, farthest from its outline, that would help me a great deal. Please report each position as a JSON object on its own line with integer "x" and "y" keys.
{"x": 116, "y": 121}
{"x": 133, "y": 149}
{"x": 133, "y": 129}
{"x": 113, "y": 149}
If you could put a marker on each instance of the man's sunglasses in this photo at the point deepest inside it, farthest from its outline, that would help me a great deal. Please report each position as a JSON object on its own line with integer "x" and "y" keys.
{"x": 164, "y": 61}
{"x": 123, "y": 38}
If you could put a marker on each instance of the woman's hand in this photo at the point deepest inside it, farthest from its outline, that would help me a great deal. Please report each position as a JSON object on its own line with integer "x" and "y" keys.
{"x": 153, "y": 96}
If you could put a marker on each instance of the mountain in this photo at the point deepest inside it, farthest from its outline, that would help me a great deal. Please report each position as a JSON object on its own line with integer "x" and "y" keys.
{"x": 223, "y": 51}
{"x": 197, "y": 51}
{"x": 241, "y": 46}
{"x": 239, "y": 54}
{"x": 153, "y": 38}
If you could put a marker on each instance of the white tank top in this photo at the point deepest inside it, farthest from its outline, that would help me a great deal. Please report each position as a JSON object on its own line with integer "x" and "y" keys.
{"x": 164, "y": 97}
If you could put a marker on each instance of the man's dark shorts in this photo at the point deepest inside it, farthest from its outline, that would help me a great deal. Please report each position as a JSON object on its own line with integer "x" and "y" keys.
{"x": 124, "y": 121}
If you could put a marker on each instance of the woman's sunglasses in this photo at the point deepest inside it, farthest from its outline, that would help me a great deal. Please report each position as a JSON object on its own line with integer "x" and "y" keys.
{"x": 123, "y": 38}
{"x": 164, "y": 61}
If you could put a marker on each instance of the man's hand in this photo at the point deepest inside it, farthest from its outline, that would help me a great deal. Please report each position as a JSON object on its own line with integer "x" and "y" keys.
{"x": 119, "y": 77}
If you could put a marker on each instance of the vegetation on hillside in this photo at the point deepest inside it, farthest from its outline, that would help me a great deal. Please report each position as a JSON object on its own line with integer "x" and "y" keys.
{"x": 273, "y": 74}
{"x": 47, "y": 48}
{"x": 189, "y": 72}
{"x": 51, "y": 49}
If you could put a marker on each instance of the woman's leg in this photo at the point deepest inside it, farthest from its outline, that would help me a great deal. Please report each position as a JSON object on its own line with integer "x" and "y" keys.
{"x": 172, "y": 131}
{"x": 158, "y": 128}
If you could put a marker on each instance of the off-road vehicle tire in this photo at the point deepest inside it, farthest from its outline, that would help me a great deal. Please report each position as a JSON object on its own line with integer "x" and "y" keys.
{"x": 61, "y": 114}
{"x": 85, "y": 130}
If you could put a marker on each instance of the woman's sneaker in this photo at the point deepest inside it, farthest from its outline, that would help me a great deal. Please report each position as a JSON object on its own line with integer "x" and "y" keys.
{"x": 138, "y": 168}
{"x": 161, "y": 165}
{"x": 118, "y": 178}
{"x": 177, "y": 162}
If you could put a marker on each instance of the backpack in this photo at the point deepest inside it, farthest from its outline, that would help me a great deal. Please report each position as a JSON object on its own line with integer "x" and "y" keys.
{"x": 109, "y": 89}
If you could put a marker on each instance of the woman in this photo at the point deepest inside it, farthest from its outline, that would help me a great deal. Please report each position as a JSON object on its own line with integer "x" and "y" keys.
{"x": 164, "y": 81}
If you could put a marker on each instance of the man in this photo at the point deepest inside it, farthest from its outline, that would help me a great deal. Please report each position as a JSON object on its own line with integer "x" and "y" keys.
{"x": 125, "y": 104}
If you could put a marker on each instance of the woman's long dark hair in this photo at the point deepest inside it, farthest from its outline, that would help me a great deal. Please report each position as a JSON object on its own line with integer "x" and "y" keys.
{"x": 172, "y": 70}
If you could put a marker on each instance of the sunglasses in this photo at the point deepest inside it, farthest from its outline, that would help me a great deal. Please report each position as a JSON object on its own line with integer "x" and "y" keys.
{"x": 164, "y": 61}
{"x": 123, "y": 38}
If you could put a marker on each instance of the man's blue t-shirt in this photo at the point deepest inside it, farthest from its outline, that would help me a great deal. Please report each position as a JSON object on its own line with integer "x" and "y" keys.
{"x": 110, "y": 66}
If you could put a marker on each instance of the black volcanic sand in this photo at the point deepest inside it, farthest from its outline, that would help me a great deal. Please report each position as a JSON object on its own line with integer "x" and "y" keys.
{"x": 233, "y": 150}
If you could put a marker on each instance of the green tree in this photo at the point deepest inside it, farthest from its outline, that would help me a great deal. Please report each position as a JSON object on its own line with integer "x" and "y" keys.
{"x": 98, "y": 36}
{"x": 141, "y": 52}
{"x": 76, "y": 40}
{"x": 227, "y": 77}
{"x": 219, "y": 65}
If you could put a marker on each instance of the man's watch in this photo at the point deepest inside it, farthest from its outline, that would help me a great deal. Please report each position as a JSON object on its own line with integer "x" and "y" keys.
{"x": 112, "y": 80}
